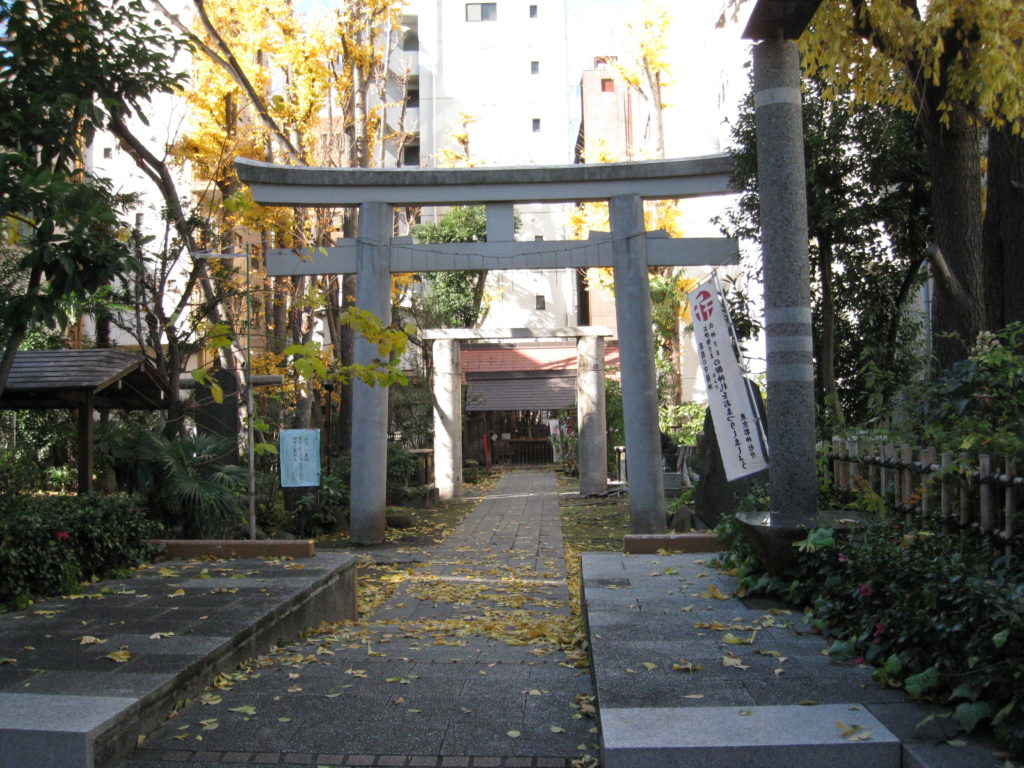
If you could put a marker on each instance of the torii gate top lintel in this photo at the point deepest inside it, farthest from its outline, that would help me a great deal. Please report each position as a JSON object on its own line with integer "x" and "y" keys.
{"x": 274, "y": 184}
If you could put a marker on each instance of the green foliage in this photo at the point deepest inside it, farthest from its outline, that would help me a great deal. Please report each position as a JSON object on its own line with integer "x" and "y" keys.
{"x": 938, "y": 614}
{"x": 977, "y": 404}
{"x": 566, "y": 443}
{"x": 196, "y": 492}
{"x": 614, "y": 419}
{"x": 462, "y": 224}
{"x": 454, "y": 299}
{"x": 50, "y": 543}
{"x": 322, "y": 509}
{"x": 868, "y": 197}
{"x": 20, "y": 474}
{"x": 69, "y": 69}
{"x": 401, "y": 468}
{"x": 412, "y": 414}
{"x": 682, "y": 422}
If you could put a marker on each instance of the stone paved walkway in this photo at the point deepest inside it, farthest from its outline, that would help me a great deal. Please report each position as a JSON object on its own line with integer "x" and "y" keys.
{"x": 455, "y": 668}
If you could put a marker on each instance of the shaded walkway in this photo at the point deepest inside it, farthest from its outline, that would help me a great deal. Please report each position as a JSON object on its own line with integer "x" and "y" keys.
{"x": 460, "y": 665}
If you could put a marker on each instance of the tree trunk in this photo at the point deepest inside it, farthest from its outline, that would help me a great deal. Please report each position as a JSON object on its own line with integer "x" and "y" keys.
{"x": 1003, "y": 234}
{"x": 827, "y": 361}
{"x": 958, "y": 311}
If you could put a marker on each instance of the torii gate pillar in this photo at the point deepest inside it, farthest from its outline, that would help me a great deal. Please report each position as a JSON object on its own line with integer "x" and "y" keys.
{"x": 636, "y": 351}
{"x": 368, "y": 493}
{"x": 447, "y": 399}
{"x": 590, "y": 415}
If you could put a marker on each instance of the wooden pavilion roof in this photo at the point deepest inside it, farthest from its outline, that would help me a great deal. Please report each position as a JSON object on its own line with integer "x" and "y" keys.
{"x": 67, "y": 378}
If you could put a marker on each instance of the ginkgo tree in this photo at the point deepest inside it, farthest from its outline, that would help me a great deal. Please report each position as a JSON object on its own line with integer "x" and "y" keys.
{"x": 647, "y": 74}
{"x": 278, "y": 85}
{"x": 958, "y": 66}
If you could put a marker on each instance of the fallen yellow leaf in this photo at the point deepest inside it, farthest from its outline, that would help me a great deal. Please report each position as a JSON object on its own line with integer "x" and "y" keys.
{"x": 119, "y": 656}
{"x": 713, "y": 592}
{"x": 89, "y": 640}
{"x": 729, "y": 660}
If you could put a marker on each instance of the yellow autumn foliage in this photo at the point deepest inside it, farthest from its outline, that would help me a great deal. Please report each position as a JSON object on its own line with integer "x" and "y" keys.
{"x": 970, "y": 51}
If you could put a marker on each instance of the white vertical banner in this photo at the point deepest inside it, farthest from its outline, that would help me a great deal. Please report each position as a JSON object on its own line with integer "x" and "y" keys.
{"x": 732, "y": 410}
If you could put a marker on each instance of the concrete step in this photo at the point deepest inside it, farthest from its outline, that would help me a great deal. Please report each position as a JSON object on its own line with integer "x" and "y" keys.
{"x": 833, "y": 735}
{"x": 63, "y": 705}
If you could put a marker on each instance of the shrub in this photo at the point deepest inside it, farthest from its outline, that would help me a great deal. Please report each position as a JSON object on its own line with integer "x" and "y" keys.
{"x": 978, "y": 403}
{"x": 939, "y": 614}
{"x": 50, "y": 543}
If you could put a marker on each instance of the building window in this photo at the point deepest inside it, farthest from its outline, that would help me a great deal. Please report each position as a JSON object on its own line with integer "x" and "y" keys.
{"x": 108, "y": 153}
{"x": 538, "y": 237}
{"x": 481, "y": 11}
{"x": 534, "y": 67}
{"x": 607, "y": 85}
{"x": 533, "y": 11}
{"x": 536, "y": 125}
{"x": 411, "y": 155}
{"x": 540, "y": 301}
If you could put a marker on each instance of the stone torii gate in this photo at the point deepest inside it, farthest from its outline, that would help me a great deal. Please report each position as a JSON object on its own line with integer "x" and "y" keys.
{"x": 628, "y": 249}
{"x": 590, "y": 410}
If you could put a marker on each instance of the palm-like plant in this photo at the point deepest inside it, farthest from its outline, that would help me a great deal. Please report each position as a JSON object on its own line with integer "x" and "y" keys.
{"x": 194, "y": 487}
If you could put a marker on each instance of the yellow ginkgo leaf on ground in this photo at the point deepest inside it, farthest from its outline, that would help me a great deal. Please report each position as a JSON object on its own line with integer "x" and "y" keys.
{"x": 177, "y": 593}
{"x": 160, "y": 635}
{"x": 247, "y": 710}
{"x": 713, "y": 592}
{"x": 119, "y": 656}
{"x": 89, "y": 640}
{"x": 649, "y": 665}
{"x": 557, "y": 729}
{"x": 732, "y": 639}
{"x": 168, "y": 572}
{"x": 8, "y": 660}
{"x": 729, "y": 660}
{"x": 853, "y": 732}
{"x": 209, "y": 699}
{"x": 514, "y": 734}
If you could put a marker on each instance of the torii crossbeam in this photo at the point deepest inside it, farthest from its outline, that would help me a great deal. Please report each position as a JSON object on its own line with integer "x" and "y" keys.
{"x": 629, "y": 250}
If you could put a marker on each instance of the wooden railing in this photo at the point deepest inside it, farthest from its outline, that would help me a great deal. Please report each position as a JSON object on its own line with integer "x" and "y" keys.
{"x": 980, "y": 492}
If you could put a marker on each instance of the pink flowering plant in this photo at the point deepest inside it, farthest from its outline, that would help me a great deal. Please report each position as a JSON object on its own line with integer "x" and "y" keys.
{"x": 50, "y": 544}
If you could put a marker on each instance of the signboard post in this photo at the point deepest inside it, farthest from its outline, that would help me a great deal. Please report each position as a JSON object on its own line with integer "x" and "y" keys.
{"x": 737, "y": 423}
{"x": 300, "y": 458}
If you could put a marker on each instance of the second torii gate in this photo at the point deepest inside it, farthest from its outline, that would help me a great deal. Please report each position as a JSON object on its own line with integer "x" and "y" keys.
{"x": 375, "y": 254}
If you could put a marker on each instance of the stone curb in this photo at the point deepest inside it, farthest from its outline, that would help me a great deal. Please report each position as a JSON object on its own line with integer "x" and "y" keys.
{"x": 650, "y": 543}
{"x": 190, "y": 549}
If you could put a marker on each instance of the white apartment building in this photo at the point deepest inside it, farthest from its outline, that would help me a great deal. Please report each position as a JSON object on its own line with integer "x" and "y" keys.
{"x": 505, "y": 64}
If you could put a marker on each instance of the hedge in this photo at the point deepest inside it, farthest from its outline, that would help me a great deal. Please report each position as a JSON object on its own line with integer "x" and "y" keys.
{"x": 50, "y": 544}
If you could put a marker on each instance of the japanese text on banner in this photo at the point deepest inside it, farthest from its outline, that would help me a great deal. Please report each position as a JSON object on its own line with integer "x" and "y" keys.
{"x": 732, "y": 411}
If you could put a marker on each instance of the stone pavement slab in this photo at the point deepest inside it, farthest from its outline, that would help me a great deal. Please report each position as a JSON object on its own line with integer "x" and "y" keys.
{"x": 445, "y": 673}
{"x": 686, "y": 674}
{"x": 64, "y": 701}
